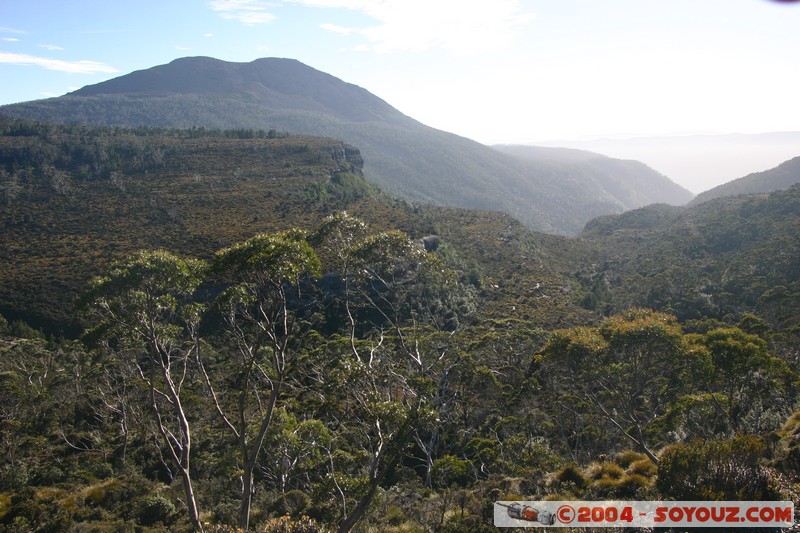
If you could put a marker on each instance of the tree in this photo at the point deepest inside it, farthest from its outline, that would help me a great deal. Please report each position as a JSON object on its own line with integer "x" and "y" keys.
{"x": 261, "y": 308}
{"x": 399, "y": 367}
{"x": 627, "y": 371}
{"x": 149, "y": 320}
{"x": 740, "y": 376}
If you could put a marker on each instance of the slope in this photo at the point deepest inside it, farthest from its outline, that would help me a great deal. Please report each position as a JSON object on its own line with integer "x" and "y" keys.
{"x": 719, "y": 259}
{"x": 402, "y": 156}
{"x": 781, "y": 177}
{"x": 74, "y": 199}
{"x": 614, "y": 177}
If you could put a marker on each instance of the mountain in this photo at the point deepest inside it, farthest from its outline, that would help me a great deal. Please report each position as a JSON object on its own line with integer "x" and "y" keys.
{"x": 698, "y": 162}
{"x": 402, "y": 156}
{"x": 781, "y": 177}
{"x": 74, "y": 199}
{"x": 613, "y": 176}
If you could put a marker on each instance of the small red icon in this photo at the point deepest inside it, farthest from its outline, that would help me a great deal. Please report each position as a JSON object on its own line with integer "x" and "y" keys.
{"x": 565, "y": 514}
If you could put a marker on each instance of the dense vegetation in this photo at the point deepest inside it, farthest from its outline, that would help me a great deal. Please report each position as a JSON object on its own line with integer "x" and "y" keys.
{"x": 262, "y": 339}
{"x": 718, "y": 260}
{"x": 405, "y": 158}
{"x": 74, "y": 199}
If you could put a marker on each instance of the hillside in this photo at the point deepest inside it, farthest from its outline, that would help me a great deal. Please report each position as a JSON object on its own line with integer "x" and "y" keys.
{"x": 465, "y": 358}
{"x": 781, "y": 177}
{"x": 402, "y": 156}
{"x": 720, "y": 259}
{"x": 701, "y": 162}
{"x": 607, "y": 174}
{"x": 75, "y": 199}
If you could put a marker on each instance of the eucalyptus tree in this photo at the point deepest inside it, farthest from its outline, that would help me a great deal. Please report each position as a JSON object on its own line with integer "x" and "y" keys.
{"x": 741, "y": 382}
{"x": 400, "y": 353}
{"x": 262, "y": 311}
{"x": 149, "y": 320}
{"x": 628, "y": 372}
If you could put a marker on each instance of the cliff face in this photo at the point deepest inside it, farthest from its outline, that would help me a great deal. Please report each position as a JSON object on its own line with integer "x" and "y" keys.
{"x": 349, "y": 157}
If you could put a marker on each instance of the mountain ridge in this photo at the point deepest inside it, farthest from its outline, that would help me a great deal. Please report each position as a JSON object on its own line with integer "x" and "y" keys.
{"x": 402, "y": 156}
{"x": 610, "y": 173}
{"x": 781, "y": 177}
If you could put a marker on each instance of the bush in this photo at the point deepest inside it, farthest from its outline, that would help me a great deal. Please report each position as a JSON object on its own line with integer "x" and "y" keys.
{"x": 450, "y": 470}
{"x": 22, "y": 330}
{"x": 154, "y": 508}
{"x": 631, "y": 485}
{"x": 570, "y": 475}
{"x": 293, "y": 503}
{"x": 718, "y": 470}
{"x": 604, "y": 470}
{"x": 643, "y": 467}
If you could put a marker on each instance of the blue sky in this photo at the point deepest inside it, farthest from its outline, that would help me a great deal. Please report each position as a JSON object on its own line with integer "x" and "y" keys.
{"x": 492, "y": 70}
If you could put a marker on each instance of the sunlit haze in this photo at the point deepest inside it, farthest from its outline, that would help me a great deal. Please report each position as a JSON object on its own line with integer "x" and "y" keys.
{"x": 500, "y": 71}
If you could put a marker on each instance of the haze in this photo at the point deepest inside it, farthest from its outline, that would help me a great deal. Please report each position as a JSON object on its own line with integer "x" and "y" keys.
{"x": 505, "y": 71}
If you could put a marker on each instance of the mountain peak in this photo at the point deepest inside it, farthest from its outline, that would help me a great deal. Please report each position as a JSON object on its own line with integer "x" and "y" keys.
{"x": 279, "y": 82}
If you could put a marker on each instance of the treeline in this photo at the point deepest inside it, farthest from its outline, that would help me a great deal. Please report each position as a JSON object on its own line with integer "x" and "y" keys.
{"x": 344, "y": 378}
{"x": 62, "y": 153}
{"x": 13, "y": 127}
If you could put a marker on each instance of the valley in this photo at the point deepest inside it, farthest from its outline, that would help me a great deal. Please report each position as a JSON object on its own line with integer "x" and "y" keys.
{"x": 285, "y": 306}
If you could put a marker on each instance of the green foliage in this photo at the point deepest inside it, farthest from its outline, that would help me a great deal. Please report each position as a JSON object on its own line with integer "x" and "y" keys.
{"x": 269, "y": 259}
{"x": 625, "y": 373}
{"x": 718, "y": 470}
{"x": 342, "y": 188}
{"x": 569, "y": 478}
{"x": 22, "y": 330}
{"x": 417, "y": 382}
{"x": 723, "y": 259}
{"x": 450, "y": 470}
{"x": 154, "y": 509}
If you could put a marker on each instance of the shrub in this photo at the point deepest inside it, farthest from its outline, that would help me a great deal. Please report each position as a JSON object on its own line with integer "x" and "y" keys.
{"x": 630, "y": 485}
{"x": 293, "y": 502}
{"x": 718, "y": 470}
{"x": 604, "y": 470}
{"x": 154, "y": 508}
{"x": 643, "y": 467}
{"x": 449, "y": 470}
{"x": 571, "y": 474}
{"x": 627, "y": 458}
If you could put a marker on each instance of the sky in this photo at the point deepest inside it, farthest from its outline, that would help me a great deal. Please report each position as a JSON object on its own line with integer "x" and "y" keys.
{"x": 496, "y": 71}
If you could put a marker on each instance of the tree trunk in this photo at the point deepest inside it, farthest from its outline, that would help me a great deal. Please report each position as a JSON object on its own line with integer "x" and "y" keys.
{"x": 250, "y": 458}
{"x": 349, "y": 521}
{"x": 247, "y": 499}
{"x": 191, "y": 503}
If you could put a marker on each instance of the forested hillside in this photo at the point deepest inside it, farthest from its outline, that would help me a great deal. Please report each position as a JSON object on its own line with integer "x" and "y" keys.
{"x": 720, "y": 259}
{"x": 402, "y": 156}
{"x": 223, "y": 330}
{"x": 781, "y": 177}
{"x": 74, "y": 199}
{"x": 612, "y": 176}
